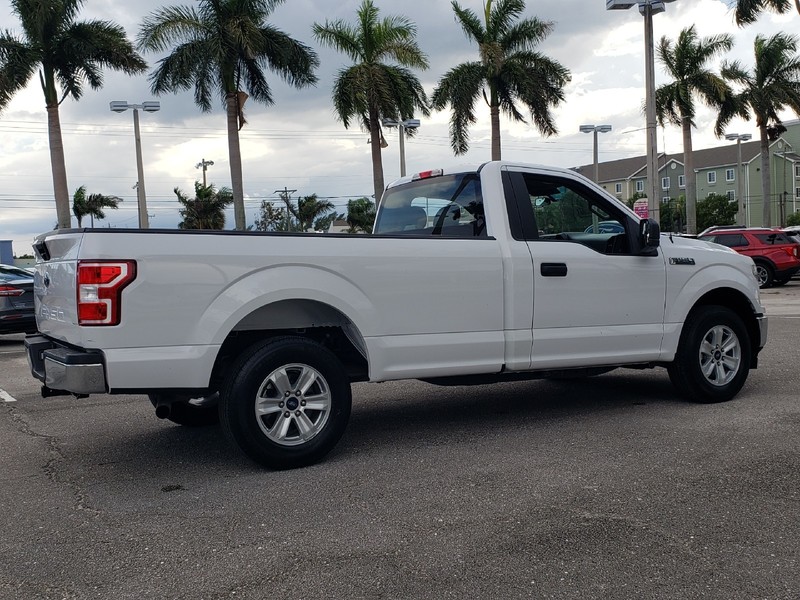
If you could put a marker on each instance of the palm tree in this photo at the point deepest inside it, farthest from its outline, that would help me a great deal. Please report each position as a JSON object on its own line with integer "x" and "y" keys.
{"x": 67, "y": 55}
{"x": 309, "y": 210}
{"x": 509, "y": 68}
{"x": 206, "y": 210}
{"x": 772, "y": 86}
{"x": 747, "y": 11}
{"x": 686, "y": 62}
{"x": 92, "y": 205}
{"x": 225, "y": 46}
{"x": 372, "y": 89}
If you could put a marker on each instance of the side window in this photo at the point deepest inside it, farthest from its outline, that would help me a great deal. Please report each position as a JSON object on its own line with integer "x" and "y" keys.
{"x": 439, "y": 206}
{"x": 566, "y": 211}
{"x": 732, "y": 240}
{"x": 773, "y": 238}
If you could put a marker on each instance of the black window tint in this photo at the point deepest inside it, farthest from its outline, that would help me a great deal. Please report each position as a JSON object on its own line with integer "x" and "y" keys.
{"x": 445, "y": 206}
{"x": 773, "y": 238}
{"x": 732, "y": 240}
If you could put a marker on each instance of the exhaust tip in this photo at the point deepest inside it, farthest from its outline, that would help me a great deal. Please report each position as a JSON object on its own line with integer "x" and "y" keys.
{"x": 162, "y": 411}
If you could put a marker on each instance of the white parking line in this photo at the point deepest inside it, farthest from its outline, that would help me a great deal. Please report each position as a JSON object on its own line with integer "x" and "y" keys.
{"x": 6, "y": 397}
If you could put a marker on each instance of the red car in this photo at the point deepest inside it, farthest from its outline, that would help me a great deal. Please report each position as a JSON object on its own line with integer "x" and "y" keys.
{"x": 776, "y": 254}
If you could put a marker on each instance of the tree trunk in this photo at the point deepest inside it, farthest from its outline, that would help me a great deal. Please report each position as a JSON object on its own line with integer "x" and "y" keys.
{"x": 691, "y": 177}
{"x": 494, "y": 112}
{"x": 235, "y": 159}
{"x": 58, "y": 166}
{"x": 766, "y": 182}
{"x": 377, "y": 159}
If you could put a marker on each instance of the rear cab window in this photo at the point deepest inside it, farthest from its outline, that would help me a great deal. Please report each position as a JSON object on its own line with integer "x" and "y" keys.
{"x": 438, "y": 206}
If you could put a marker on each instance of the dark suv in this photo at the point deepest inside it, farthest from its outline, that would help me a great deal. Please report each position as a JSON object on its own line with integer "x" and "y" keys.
{"x": 776, "y": 255}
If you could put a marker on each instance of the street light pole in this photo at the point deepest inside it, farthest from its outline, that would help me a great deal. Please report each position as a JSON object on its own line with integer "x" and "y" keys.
{"x": 595, "y": 129}
{"x": 401, "y": 127}
{"x": 648, "y": 8}
{"x": 150, "y": 106}
{"x": 741, "y": 200}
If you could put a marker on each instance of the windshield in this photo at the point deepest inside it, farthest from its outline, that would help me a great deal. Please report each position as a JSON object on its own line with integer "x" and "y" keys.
{"x": 447, "y": 206}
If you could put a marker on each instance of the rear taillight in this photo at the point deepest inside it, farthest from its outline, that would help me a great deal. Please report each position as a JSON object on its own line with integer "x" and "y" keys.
{"x": 100, "y": 285}
{"x": 9, "y": 290}
{"x": 792, "y": 251}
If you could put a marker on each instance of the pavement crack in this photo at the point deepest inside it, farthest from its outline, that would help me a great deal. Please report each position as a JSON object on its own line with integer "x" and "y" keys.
{"x": 55, "y": 458}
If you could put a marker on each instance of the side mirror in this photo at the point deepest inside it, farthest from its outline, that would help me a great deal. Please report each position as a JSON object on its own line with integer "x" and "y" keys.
{"x": 649, "y": 234}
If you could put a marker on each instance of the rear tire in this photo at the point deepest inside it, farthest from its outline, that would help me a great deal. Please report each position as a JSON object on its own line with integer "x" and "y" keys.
{"x": 713, "y": 358}
{"x": 286, "y": 402}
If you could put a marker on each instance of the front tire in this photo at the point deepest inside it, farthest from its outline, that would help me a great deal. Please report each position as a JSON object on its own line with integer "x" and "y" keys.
{"x": 713, "y": 358}
{"x": 765, "y": 274}
{"x": 286, "y": 402}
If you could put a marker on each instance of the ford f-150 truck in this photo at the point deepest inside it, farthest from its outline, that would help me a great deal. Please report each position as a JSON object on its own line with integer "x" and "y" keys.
{"x": 471, "y": 275}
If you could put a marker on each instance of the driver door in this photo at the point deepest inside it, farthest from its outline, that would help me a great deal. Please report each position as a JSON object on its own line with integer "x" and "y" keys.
{"x": 596, "y": 300}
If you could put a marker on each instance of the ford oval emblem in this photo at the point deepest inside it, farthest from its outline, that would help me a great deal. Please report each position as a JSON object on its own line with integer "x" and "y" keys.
{"x": 46, "y": 280}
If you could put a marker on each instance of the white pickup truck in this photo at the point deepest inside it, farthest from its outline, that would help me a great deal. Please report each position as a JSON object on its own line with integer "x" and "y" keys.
{"x": 471, "y": 275}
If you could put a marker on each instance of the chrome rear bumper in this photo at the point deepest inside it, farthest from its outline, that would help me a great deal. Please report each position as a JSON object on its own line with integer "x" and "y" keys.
{"x": 61, "y": 368}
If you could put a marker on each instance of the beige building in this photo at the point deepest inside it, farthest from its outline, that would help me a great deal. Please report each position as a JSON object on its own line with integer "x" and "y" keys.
{"x": 717, "y": 172}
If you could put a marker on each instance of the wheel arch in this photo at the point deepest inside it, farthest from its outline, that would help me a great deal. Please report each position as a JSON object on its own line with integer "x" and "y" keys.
{"x": 288, "y": 299}
{"x": 737, "y": 302}
{"x": 299, "y": 317}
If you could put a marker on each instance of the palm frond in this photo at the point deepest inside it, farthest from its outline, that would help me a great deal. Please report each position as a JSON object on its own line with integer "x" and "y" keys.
{"x": 470, "y": 22}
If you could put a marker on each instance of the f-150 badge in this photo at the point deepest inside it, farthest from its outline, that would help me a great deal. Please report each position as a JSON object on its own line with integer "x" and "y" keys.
{"x": 681, "y": 261}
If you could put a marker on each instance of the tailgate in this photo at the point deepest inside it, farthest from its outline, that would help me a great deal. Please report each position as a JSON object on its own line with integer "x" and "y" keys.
{"x": 54, "y": 284}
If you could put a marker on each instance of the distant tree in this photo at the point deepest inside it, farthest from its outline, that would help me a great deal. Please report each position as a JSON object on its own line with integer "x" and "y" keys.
{"x": 271, "y": 218}
{"x": 373, "y": 88}
{"x": 793, "y": 220}
{"x": 673, "y": 215}
{"x": 225, "y": 46}
{"x": 67, "y": 55}
{"x": 308, "y": 211}
{"x": 772, "y": 86}
{"x": 748, "y": 11}
{"x": 509, "y": 69}
{"x": 206, "y": 210}
{"x": 686, "y": 62}
{"x": 360, "y": 215}
{"x": 92, "y": 205}
{"x": 715, "y": 209}
{"x": 324, "y": 223}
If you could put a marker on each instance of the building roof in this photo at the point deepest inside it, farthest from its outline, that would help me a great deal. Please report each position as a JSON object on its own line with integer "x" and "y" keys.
{"x": 707, "y": 158}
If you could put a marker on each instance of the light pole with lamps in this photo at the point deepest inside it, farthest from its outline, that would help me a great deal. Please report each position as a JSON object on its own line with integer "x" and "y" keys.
{"x": 648, "y": 8}
{"x": 595, "y": 129}
{"x": 402, "y": 126}
{"x": 742, "y": 216}
{"x": 204, "y": 164}
{"x": 149, "y": 106}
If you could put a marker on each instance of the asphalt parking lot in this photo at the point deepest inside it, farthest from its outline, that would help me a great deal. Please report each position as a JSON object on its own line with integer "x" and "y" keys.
{"x": 610, "y": 487}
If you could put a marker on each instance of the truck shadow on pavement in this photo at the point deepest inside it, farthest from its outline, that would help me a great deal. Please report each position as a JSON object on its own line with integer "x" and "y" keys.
{"x": 403, "y": 415}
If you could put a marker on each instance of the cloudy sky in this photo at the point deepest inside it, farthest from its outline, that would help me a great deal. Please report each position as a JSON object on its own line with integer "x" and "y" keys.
{"x": 299, "y": 144}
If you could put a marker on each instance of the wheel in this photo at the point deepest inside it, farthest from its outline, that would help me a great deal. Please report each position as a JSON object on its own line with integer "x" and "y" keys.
{"x": 286, "y": 402}
{"x": 191, "y": 412}
{"x": 713, "y": 358}
{"x": 765, "y": 273}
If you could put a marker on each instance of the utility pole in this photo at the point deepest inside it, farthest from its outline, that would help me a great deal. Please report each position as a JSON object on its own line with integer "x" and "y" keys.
{"x": 204, "y": 164}
{"x": 285, "y": 195}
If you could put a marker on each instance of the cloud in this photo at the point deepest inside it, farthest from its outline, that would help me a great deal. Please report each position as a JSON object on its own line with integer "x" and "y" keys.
{"x": 298, "y": 143}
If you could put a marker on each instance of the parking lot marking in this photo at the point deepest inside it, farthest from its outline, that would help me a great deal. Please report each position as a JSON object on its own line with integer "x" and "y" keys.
{"x": 6, "y": 397}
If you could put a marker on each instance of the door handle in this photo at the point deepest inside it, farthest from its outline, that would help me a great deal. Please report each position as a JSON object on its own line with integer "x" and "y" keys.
{"x": 554, "y": 269}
